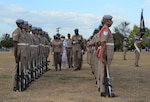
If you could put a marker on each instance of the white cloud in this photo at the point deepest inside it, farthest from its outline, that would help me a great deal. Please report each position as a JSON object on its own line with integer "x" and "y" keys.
{"x": 50, "y": 20}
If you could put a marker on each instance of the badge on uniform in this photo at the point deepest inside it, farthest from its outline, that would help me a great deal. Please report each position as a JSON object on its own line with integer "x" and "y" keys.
{"x": 105, "y": 32}
{"x": 14, "y": 34}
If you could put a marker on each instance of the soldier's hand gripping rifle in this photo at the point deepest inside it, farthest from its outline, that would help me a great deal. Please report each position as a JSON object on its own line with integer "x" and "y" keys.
{"x": 107, "y": 79}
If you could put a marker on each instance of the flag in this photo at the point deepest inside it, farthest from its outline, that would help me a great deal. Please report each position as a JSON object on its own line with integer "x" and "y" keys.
{"x": 142, "y": 24}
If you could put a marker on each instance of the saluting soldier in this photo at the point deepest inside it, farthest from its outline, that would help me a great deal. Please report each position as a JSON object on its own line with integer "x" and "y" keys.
{"x": 21, "y": 55}
{"x": 77, "y": 41}
{"x": 107, "y": 50}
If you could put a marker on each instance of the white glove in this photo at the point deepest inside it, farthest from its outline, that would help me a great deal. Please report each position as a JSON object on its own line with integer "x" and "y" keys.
{"x": 82, "y": 51}
{"x": 74, "y": 42}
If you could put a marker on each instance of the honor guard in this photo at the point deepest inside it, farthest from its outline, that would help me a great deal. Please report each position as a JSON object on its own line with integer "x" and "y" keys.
{"x": 21, "y": 56}
{"x": 106, "y": 55}
{"x": 125, "y": 48}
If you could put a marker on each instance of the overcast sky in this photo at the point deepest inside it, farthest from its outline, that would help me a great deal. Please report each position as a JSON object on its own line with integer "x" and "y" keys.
{"x": 85, "y": 15}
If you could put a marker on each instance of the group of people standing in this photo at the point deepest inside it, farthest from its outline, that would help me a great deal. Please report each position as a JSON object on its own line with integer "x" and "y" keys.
{"x": 68, "y": 50}
{"x": 137, "y": 51}
{"x": 100, "y": 51}
{"x": 31, "y": 51}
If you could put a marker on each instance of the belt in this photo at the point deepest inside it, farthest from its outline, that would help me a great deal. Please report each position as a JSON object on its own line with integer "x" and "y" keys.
{"x": 41, "y": 44}
{"x": 110, "y": 44}
{"x": 24, "y": 44}
{"x": 46, "y": 46}
{"x": 69, "y": 47}
{"x": 33, "y": 45}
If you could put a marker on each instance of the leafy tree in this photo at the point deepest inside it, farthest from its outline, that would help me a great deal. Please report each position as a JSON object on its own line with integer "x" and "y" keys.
{"x": 121, "y": 31}
{"x": 136, "y": 32}
{"x": 6, "y": 41}
{"x": 122, "y": 28}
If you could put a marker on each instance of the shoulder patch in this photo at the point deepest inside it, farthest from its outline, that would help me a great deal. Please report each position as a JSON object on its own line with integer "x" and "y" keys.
{"x": 14, "y": 34}
{"x": 105, "y": 33}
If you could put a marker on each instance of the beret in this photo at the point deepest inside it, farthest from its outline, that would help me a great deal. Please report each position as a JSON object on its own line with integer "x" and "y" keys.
{"x": 29, "y": 25}
{"x": 26, "y": 22}
{"x": 107, "y": 17}
{"x": 46, "y": 33}
{"x": 34, "y": 28}
{"x": 19, "y": 21}
{"x": 39, "y": 28}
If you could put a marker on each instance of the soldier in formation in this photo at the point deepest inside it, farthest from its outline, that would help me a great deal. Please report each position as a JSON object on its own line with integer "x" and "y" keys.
{"x": 125, "y": 48}
{"x": 101, "y": 47}
{"x": 31, "y": 51}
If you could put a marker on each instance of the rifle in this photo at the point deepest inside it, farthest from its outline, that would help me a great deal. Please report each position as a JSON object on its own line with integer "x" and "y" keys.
{"x": 108, "y": 87}
{"x": 18, "y": 78}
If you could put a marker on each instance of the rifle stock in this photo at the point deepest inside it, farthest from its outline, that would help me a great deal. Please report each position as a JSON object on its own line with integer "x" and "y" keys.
{"x": 108, "y": 87}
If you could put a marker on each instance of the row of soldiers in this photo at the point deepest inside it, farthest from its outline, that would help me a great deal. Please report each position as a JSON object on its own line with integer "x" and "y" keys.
{"x": 100, "y": 51}
{"x": 31, "y": 51}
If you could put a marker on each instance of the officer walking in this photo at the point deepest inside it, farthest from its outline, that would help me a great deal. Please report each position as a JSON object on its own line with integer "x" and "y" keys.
{"x": 69, "y": 51}
{"x": 77, "y": 41}
{"x": 107, "y": 50}
{"x": 57, "y": 48}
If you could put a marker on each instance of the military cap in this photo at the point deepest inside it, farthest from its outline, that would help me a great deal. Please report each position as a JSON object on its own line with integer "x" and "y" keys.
{"x": 29, "y": 25}
{"x": 46, "y": 33}
{"x": 39, "y": 28}
{"x": 34, "y": 28}
{"x": 62, "y": 36}
{"x": 19, "y": 21}
{"x": 91, "y": 37}
{"x": 26, "y": 22}
{"x": 107, "y": 17}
